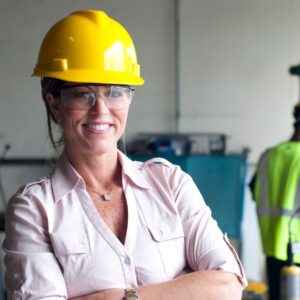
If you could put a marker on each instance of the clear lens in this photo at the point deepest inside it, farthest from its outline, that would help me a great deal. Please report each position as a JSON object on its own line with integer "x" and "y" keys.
{"x": 119, "y": 97}
{"x": 77, "y": 98}
{"x": 85, "y": 97}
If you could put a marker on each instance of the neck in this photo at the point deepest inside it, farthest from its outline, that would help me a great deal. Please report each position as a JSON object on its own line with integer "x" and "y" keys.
{"x": 99, "y": 171}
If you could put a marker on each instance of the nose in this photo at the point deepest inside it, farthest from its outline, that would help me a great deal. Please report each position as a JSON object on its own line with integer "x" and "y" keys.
{"x": 100, "y": 106}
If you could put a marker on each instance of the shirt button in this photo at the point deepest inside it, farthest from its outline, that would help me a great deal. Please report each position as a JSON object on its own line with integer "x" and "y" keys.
{"x": 127, "y": 260}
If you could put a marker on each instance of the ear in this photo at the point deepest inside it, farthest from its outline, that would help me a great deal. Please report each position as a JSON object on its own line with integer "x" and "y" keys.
{"x": 54, "y": 107}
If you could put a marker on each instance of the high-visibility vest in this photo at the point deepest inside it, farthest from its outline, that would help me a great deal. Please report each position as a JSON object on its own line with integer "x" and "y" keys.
{"x": 277, "y": 195}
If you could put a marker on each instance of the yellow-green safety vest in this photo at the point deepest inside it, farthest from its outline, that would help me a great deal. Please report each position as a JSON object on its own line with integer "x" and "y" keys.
{"x": 277, "y": 195}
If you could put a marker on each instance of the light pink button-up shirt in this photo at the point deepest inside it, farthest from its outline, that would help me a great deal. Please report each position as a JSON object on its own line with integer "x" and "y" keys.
{"x": 58, "y": 246}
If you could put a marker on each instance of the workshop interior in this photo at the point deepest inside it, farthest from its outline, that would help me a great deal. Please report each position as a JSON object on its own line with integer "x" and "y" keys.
{"x": 221, "y": 85}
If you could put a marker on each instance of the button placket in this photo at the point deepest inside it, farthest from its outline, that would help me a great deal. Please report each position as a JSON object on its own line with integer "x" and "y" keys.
{"x": 127, "y": 260}
{"x": 129, "y": 271}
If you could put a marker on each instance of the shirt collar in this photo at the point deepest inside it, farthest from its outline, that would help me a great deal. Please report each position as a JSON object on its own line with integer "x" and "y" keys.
{"x": 65, "y": 178}
{"x": 134, "y": 171}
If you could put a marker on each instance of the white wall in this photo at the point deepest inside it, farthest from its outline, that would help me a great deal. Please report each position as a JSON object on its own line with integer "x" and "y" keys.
{"x": 234, "y": 60}
{"x": 235, "y": 57}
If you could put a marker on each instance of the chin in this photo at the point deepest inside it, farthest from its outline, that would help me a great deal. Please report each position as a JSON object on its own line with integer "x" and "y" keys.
{"x": 103, "y": 149}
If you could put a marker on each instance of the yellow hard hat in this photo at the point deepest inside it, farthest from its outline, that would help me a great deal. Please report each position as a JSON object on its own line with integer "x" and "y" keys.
{"x": 90, "y": 47}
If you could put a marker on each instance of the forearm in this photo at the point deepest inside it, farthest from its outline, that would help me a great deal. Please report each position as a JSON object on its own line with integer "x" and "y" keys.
{"x": 204, "y": 285}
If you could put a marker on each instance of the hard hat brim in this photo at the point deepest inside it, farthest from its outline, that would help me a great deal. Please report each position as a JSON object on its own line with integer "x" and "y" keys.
{"x": 92, "y": 77}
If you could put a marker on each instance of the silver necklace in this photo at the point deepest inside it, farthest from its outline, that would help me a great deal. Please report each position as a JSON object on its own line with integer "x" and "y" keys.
{"x": 105, "y": 196}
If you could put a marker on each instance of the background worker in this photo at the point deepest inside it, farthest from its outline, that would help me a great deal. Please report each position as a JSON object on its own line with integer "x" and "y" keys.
{"x": 276, "y": 190}
{"x": 102, "y": 226}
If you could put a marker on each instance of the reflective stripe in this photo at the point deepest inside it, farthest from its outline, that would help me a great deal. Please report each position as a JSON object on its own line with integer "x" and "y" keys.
{"x": 263, "y": 208}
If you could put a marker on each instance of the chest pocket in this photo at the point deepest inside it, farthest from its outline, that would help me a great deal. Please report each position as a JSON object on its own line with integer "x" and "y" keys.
{"x": 72, "y": 250}
{"x": 168, "y": 235}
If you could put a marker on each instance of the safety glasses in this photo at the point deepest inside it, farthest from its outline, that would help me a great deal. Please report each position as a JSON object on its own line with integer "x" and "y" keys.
{"x": 84, "y": 97}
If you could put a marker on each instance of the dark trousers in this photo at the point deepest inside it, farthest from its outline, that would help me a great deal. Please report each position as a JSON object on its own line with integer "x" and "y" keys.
{"x": 274, "y": 267}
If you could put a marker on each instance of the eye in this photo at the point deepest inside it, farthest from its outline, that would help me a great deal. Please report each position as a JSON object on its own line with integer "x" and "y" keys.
{"x": 116, "y": 94}
{"x": 119, "y": 92}
{"x": 83, "y": 95}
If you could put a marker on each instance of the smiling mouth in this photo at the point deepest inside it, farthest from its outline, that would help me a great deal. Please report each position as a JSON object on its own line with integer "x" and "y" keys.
{"x": 99, "y": 127}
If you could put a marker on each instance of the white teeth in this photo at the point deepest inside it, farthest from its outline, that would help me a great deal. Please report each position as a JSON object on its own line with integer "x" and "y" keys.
{"x": 98, "y": 126}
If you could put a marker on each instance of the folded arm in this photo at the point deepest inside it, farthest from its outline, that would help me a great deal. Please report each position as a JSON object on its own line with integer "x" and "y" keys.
{"x": 202, "y": 285}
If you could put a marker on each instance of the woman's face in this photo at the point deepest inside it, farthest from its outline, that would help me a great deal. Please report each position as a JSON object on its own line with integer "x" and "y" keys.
{"x": 93, "y": 117}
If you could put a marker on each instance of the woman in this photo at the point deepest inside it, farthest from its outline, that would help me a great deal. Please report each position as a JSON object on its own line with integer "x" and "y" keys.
{"x": 102, "y": 226}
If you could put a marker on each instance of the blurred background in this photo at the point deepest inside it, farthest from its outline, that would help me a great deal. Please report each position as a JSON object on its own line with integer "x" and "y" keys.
{"x": 217, "y": 93}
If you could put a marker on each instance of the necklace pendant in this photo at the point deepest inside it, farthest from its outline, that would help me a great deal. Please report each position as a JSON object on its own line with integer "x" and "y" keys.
{"x": 106, "y": 197}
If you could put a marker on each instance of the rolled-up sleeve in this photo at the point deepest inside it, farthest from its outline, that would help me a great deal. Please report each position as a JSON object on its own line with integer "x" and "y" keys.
{"x": 32, "y": 270}
{"x": 206, "y": 246}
